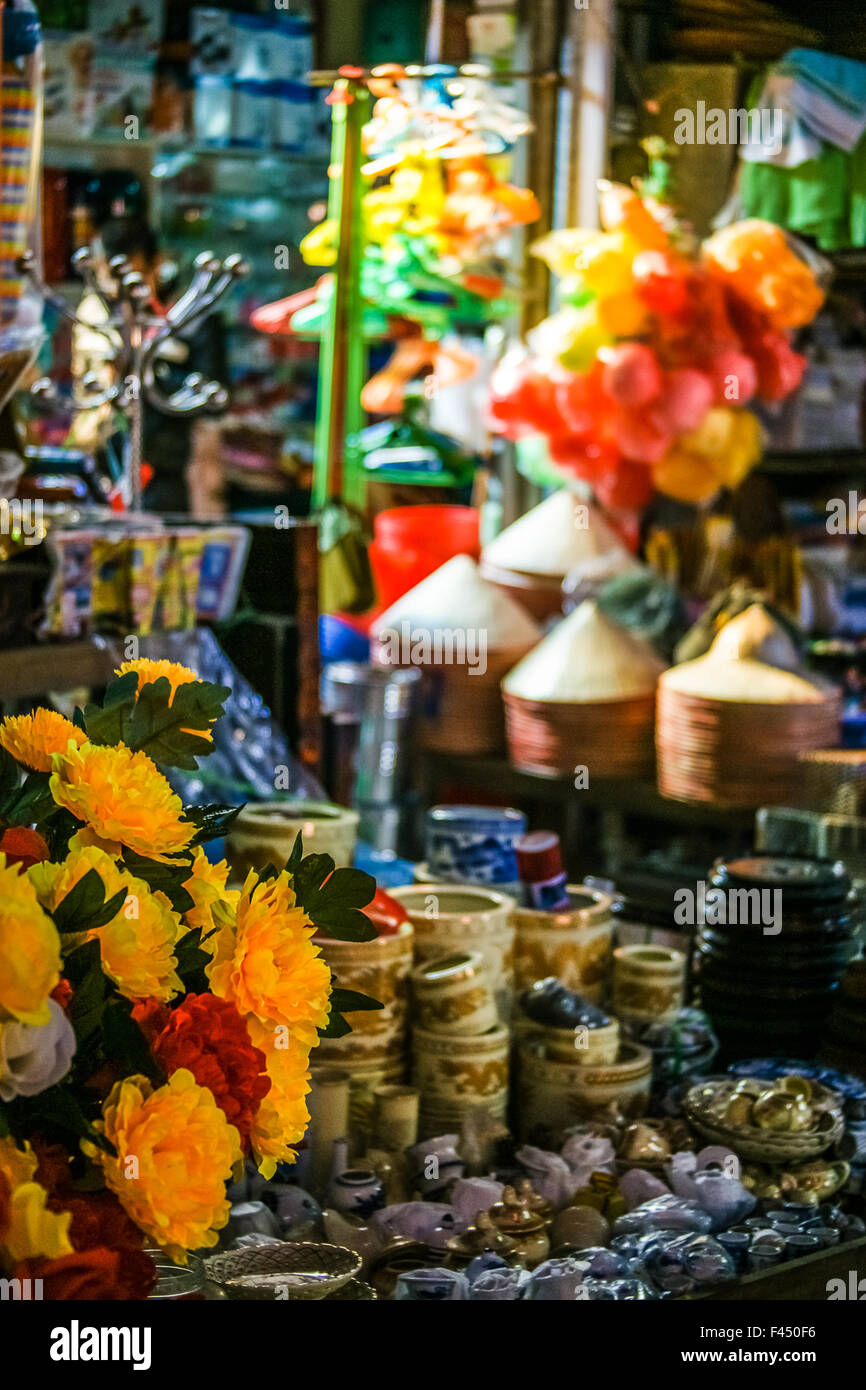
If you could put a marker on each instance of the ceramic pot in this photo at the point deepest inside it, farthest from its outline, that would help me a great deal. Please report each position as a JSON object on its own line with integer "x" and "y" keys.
{"x": 434, "y": 1164}
{"x": 379, "y": 968}
{"x": 265, "y": 831}
{"x": 458, "y": 1074}
{"x": 453, "y": 995}
{"x": 365, "y": 1076}
{"x": 473, "y": 844}
{"x": 574, "y": 945}
{"x": 329, "y": 1120}
{"x": 649, "y": 983}
{"x": 449, "y": 919}
{"x": 589, "y": 1047}
{"x": 357, "y": 1192}
{"x": 552, "y": 1095}
{"x": 395, "y": 1117}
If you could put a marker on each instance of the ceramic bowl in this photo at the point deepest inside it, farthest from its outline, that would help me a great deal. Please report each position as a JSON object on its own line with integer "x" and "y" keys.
{"x": 264, "y": 833}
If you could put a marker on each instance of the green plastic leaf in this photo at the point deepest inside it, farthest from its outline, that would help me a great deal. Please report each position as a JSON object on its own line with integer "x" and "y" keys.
{"x": 336, "y": 1027}
{"x": 335, "y": 906}
{"x": 163, "y": 878}
{"x": 169, "y": 733}
{"x": 88, "y": 999}
{"x": 293, "y": 863}
{"x": 310, "y": 875}
{"x": 9, "y": 772}
{"x": 29, "y": 803}
{"x": 213, "y": 821}
{"x": 60, "y": 1108}
{"x": 347, "y": 1001}
{"x": 85, "y": 907}
{"x": 122, "y": 1037}
{"x": 191, "y": 961}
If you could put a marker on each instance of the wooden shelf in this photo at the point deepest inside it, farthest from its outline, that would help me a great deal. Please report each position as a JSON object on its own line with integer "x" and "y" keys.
{"x": 27, "y": 672}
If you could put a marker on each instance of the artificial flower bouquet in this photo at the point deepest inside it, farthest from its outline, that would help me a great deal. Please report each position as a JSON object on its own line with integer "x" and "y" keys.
{"x": 155, "y": 1024}
{"x": 642, "y": 378}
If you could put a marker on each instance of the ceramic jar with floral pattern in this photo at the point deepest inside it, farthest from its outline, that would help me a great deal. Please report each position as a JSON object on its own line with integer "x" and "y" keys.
{"x": 573, "y": 945}
{"x": 458, "y": 1074}
{"x": 649, "y": 983}
{"x": 379, "y": 968}
{"x": 453, "y": 995}
{"x": 451, "y": 918}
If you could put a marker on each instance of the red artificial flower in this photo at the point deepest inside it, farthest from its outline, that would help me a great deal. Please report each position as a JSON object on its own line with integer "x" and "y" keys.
{"x": 92, "y": 1274}
{"x": 98, "y": 1220}
{"x": 208, "y": 1036}
{"x": 52, "y": 1169}
{"x": 63, "y": 994}
{"x": 151, "y": 1017}
{"x": 23, "y": 846}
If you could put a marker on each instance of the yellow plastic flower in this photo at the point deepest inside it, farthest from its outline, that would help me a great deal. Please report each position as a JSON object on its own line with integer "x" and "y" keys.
{"x": 123, "y": 798}
{"x": 282, "y": 1117}
{"x": 149, "y": 671}
{"x": 31, "y": 1230}
{"x": 267, "y": 965}
{"x": 34, "y": 738}
{"x": 215, "y": 905}
{"x": 137, "y": 945}
{"x": 175, "y": 1151}
{"x": 29, "y": 950}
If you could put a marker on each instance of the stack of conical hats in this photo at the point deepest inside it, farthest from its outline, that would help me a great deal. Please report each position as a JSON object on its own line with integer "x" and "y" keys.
{"x": 731, "y": 725}
{"x": 562, "y": 535}
{"x": 464, "y": 633}
{"x": 584, "y": 697}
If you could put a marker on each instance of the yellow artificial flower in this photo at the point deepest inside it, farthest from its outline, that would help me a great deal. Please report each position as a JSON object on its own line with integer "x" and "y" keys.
{"x": 282, "y": 1117}
{"x": 215, "y": 905}
{"x": 137, "y": 945}
{"x": 29, "y": 950}
{"x": 175, "y": 1151}
{"x": 123, "y": 799}
{"x": 31, "y": 1231}
{"x": 149, "y": 671}
{"x": 34, "y": 738}
{"x": 267, "y": 965}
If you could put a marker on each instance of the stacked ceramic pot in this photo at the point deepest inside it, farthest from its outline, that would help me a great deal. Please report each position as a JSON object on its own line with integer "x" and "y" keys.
{"x": 463, "y": 988}
{"x": 584, "y": 698}
{"x": 374, "y": 1053}
{"x": 264, "y": 833}
{"x": 573, "y": 945}
{"x": 562, "y": 536}
{"x": 731, "y": 725}
{"x": 573, "y": 1064}
{"x": 771, "y": 950}
{"x": 464, "y": 634}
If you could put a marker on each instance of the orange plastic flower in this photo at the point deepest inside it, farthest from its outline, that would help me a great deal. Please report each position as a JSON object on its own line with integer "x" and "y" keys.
{"x": 149, "y": 671}
{"x": 29, "y": 950}
{"x": 123, "y": 799}
{"x": 137, "y": 945}
{"x": 34, "y": 738}
{"x": 175, "y": 1151}
{"x": 266, "y": 963}
{"x": 282, "y": 1117}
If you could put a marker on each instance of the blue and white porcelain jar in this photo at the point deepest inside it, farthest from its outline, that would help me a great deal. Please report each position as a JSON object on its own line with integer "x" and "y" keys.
{"x": 474, "y": 844}
{"x": 357, "y": 1192}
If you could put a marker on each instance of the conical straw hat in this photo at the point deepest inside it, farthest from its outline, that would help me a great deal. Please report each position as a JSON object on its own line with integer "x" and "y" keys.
{"x": 456, "y": 596}
{"x": 587, "y": 657}
{"x": 753, "y": 660}
{"x": 559, "y": 535}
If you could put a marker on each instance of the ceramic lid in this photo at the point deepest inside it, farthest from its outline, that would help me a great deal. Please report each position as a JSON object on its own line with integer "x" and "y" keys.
{"x": 587, "y": 657}
{"x": 560, "y": 535}
{"x": 457, "y": 596}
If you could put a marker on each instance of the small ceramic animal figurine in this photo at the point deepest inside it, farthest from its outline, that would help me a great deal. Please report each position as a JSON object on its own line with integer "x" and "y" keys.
{"x": 469, "y": 1196}
{"x": 366, "y": 1241}
{"x": 549, "y": 1174}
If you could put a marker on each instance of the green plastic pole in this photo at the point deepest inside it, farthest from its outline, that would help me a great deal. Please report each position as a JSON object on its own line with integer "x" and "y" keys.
{"x": 338, "y": 474}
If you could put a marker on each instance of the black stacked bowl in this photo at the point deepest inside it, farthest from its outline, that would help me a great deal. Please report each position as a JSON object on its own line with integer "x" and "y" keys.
{"x": 773, "y": 989}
